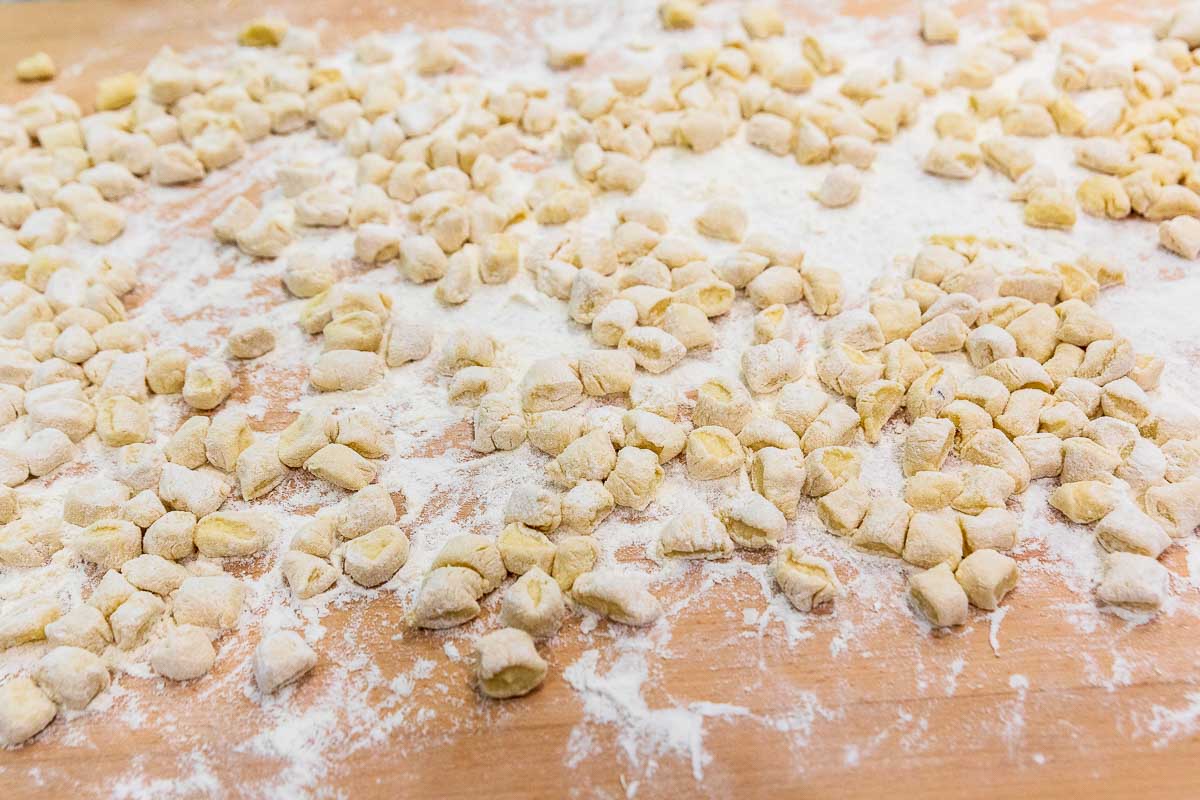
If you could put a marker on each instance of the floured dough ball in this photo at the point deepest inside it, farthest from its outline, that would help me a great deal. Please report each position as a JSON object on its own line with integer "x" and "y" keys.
{"x": 280, "y": 659}
{"x": 806, "y": 581}
{"x": 374, "y": 558}
{"x": 508, "y": 664}
{"x": 183, "y": 654}
{"x": 24, "y": 711}
{"x": 251, "y": 339}
{"x": 207, "y": 383}
{"x": 619, "y": 596}
{"x": 534, "y": 603}
{"x": 72, "y": 676}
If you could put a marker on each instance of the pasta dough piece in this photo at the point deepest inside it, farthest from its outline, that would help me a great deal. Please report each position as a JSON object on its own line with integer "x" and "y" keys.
{"x": 883, "y": 527}
{"x": 109, "y": 543}
{"x": 993, "y": 449}
{"x": 224, "y": 534}
{"x": 990, "y": 529}
{"x": 835, "y": 425}
{"x": 229, "y": 433}
{"x": 186, "y": 445}
{"x": 134, "y": 618}
{"x": 713, "y": 452}
{"x": 534, "y": 603}
{"x": 304, "y": 436}
{"x": 842, "y": 510}
{"x": 591, "y": 457}
{"x": 828, "y": 468}
{"x": 347, "y": 371}
{"x": 585, "y": 506}
{"x": 635, "y": 477}
{"x": 982, "y": 488}
{"x": 1084, "y": 460}
{"x": 475, "y": 554}
{"x": 281, "y": 658}
{"x": 618, "y": 596}
{"x": 752, "y": 522}
{"x": 938, "y": 596}
{"x": 183, "y": 654}
{"x": 24, "y": 711}
{"x": 259, "y": 469}
{"x": 986, "y": 576}
{"x": 1127, "y": 529}
{"x": 206, "y": 384}
{"x": 806, "y": 581}
{"x": 767, "y": 367}
{"x": 112, "y": 590}
{"x": 71, "y": 676}
{"x": 93, "y": 500}
{"x": 499, "y": 424}
{"x": 1084, "y": 501}
{"x": 523, "y": 548}
{"x": 507, "y": 664}
{"x": 653, "y": 349}
{"x": 926, "y": 445}
{"x": 1175, "y": 507}
{"x": 154, "y": 574}
{"x": 652, "y": 432}
{"x": 83, "y": 626}
{"x": 1135, "y": 582}
{"x": 723, "y": 403}
{"x": 604, "y": 372}
{"x": 26, "y": 620}
{"x": 722, "y": 219}
{"x": 550, "y": 384}
{"x": 307, "y": 575}
{"x": 694, "y": 533}
{"x": 367, "y": 509}
{"x": 534, "y": 507}
{"x": 934, "y": 537}
{"x": 372, "y": 559}
{"x": 778, "y": 475}
{"x": 341, "y": 466}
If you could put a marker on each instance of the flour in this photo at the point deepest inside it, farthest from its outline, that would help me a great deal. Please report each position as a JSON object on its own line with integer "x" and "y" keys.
{"x": 196, "y": 291}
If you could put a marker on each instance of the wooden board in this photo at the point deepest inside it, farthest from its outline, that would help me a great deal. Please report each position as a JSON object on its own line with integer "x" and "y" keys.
{"x": 1051, "y": 712}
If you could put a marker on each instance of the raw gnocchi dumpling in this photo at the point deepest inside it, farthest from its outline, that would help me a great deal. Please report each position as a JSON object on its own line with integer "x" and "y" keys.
{"x": 806, "y": 581}
{"x": 372, "y": 559}
{"x": 752, "y": 521}
{"x": 986, "y": 576}
{"x": 713, "y": 452}
{"x": 938, "y": 596}
{"x": 24, "y": 711}
{"x": 183, "y": 654}
{"x": 619, "y": 596}
{"x": 1135, "y": 582}
{"x": 534, "y": 603}
{"x": 694, "y": 533}
{"x": 72, "y": 676}
{"x": 476, "y": 553}
{"x": 551, "y": 384}
{"x": 591, "y": 457}
{"x": 307, "y": 575}
{"x": 522, "y": 548}
{"x": 635, "y": 477}
{"x": 778, "y": 475}
{"x": 281, "y": 658}
{"x": 507, "y": 664}
{"x": 884, "y": 527}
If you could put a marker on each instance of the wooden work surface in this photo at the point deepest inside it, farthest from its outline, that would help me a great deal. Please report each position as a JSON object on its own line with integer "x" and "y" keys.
{"x": 1053, "y": 713}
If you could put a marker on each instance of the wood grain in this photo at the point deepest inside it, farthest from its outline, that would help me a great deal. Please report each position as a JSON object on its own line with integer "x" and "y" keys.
{"x": 898, "y": 714}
